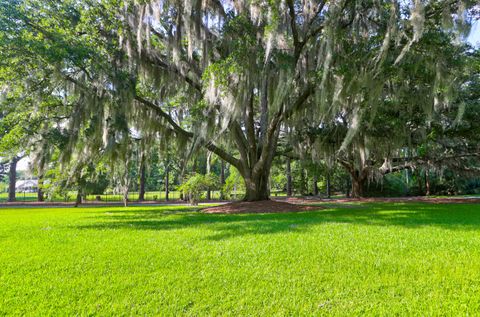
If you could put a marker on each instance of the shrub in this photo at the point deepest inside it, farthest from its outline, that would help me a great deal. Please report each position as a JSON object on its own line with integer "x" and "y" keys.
{"x": 194, "y": 187}
{"x": 233, "y": 183}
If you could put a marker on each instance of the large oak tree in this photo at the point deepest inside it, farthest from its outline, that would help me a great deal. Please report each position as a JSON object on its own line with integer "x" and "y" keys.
{"x": 225, "y": 75}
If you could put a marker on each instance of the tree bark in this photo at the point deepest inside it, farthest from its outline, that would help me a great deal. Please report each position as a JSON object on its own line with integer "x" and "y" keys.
{"x": 256, "y": 159}
{"x": 329, "y": 190}
{"x": 141, "y": 194}
{"x": 125, "y": 197}
{"x": 315, "y": 185}
{"x": 289, "y": 177}
{"x": 222, "y": 172}
{"x": 40, "y": 194}
{"x": 358, "y": 184}
{"x": 357, "y": 177}
{"x": 78, "y": 199}
{"x": 209, "y": 191}
{"x": 349, "y": 187}
{"x": 167, "y": 180}
{"x": 303, "y": 182}
{"x": 427, "y": 182}
{"x": 256, "y": 187}
{"x": 12, "y": 179}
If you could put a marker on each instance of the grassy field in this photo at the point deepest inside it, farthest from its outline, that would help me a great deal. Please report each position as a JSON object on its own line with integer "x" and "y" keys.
{"x": 106, "y": 197}
{"x": 133, "y": 196}
{"x": 375, "y": 259}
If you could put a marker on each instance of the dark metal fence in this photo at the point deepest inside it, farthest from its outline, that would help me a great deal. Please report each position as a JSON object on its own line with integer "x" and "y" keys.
{"x": 111, "y": 197}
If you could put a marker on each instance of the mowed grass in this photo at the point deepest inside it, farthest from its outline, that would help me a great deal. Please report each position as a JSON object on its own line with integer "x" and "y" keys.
{"x": 375, "y": 259}
{"x": 133, "y": 196}
{"x": 158, "y": 195}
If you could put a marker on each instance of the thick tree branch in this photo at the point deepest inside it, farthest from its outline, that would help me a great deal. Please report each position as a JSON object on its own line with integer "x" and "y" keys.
{"x": 223, "y": 154}
{"x": 164, "y": 115}
{"x": 240, "y": 141}
{"x": 398, "y": 168}
{"x": 270, "y": 141}
{"x": 302, "y": 98}
{"x": 210, "y": 145}
{"x": 311, "y": 32}
{"x": 293, "y": 26}
{"x": 157, "y": 61}
{"x": 250, "y": 130}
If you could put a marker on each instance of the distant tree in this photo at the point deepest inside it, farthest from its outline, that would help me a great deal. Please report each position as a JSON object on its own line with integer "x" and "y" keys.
{"x": 415, "y": 118}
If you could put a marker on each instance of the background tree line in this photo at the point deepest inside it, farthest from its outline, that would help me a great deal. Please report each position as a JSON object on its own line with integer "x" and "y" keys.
{"x": 357, "y": 88}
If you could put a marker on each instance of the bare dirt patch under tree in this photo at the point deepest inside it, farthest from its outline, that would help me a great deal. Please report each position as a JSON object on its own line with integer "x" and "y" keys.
{"x": 266, "y": 206}
{"x": 412, "y": 199}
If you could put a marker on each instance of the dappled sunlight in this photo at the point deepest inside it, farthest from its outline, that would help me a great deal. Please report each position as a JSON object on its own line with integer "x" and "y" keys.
{"x": 217, "y": 227}
{"x": 239, "y": 157}
{"x": 350, "y": 256}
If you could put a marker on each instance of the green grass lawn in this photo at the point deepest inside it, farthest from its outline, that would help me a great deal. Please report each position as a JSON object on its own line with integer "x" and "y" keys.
{"x": 158, "y": 195}
{"x": 376, "y": 259}
{"x": 133, "y": 196}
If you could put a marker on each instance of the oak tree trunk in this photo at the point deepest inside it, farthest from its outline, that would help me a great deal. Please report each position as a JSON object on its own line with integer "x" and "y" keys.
{"x": 40, "y": 194}
{"x": 256, "y": 186}
{"x": 12, "y": 179}
{"x": 222, "y": 172}
{"x": 209, "y": 191}
{"x": 303, "y": 182}
{"x": 141, "y": 194}
{"x": 427, "y": 182}
{"x": 348, "y": 188}
{"x": 315, "y": 185}
{"x": 167, "y": 180}
{"x": 357, "y": 178}
{"x": 358, "y": 184}
{"x": 125, "y": 197}
{"x": 78, "y": 199}
{"x": 329, "y": 190}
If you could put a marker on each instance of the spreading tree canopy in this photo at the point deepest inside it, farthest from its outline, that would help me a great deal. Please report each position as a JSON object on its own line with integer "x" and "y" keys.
{"x": 230, "y": 76}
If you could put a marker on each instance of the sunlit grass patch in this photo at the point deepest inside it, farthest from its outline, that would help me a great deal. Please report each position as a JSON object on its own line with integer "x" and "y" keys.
{"x": 379, "y": 259}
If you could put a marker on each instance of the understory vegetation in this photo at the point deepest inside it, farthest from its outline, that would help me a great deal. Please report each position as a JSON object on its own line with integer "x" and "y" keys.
{"x": 349, "y": 259}
{"x": 127, "y": 95}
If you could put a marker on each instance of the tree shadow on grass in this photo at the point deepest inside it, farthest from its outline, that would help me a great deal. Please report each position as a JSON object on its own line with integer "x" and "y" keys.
{"x": 409, "y": 215}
